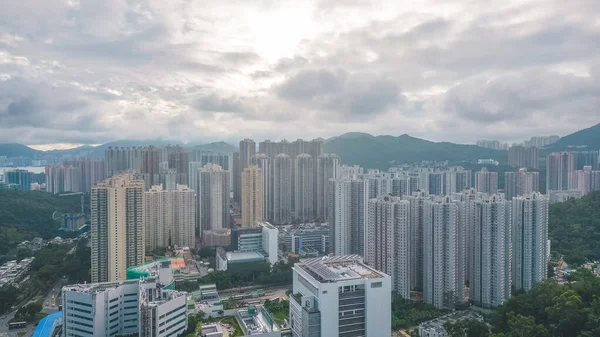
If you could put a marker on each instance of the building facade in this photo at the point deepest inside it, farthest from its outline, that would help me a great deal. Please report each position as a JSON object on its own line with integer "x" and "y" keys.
{"x": 339, "y": 296}
{"x": 282, "y": 189}
{"x": 304, "y": 188}
{"x": 126, "y": 307}
{"x": 117, "y": 227}
{"x": 529, "y": 240}
{"x": 212, "y": 191}
{"x": 486, "y": 182}
{"x": 389, "y": 245}
{"x": 252, "y": 196}
{"x": 559, "y": 167}
{"x": 520, "y": 183}
{"x": 348, "y": 204}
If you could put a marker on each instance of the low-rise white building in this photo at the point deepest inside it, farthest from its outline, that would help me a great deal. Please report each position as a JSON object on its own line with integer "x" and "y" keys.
{"x": 141, "y": 307}
{"x": 340, "y": 296}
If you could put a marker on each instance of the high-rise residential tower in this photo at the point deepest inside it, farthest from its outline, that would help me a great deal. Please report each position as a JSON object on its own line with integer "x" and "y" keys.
{"x": 120, "y": 159}
{"x": 170, "y": 217}
{"x": 521, "y": 156}
{"x": 282, "y": 189}
{"x": 247, "y": 150}
{"x": 212, "y": 202}
{"x": 252, "y": 196}
{"x": 388, "y": 238}
{"x": 117, "y": 227}
{"x": 304, "y": 183}
{"x": 520, "y": 183}
{"x": 419, "y": 216}
{"x": 559, "y": 167}
{"x": 486, "y": 182}
{"x": 348, "y": 204}
{"x": 327, "y": 168}
{"x": 441, "y": 285}
{"x": 264, "y": 163}
{"x": 529, "y": 240}
{"x": 490, "y": 278}
{"x": 179, "y": 160}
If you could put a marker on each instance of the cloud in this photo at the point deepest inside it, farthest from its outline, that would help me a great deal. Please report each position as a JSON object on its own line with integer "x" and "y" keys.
{"x": 349, "y": 94}
{"x": 219, "y": 104}
{"x": 94, "y": 71}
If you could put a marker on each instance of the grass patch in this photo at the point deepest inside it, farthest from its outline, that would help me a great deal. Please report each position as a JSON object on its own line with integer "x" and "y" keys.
{"x": 280, "y": 317}
{"x": 231, "y": 320}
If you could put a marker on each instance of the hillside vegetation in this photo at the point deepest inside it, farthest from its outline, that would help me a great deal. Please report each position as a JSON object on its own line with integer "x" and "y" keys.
{"x": 381, "y": 152}
{"x": 574, "y": 228}
{"x": 25, "y": 215}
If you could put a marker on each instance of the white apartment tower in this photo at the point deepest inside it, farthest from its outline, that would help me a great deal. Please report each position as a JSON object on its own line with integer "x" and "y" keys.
{"x": 304, "y": 188}
{"x": 347, "y": 221}
{"x": 252, "y": 196}
{"x": 419, "y": 216}
{"x": 339, "y": 296}
{"x": 212, "y": 208}
{"x": 486, "y": 182}
{"x": 441, "y": 285}
{"x": 388, "y": 235}
{"x": 327, "y": 168}
{"x": 490, "y": 279}
{"x": 529, "y": 240}
{"x": 117, "y": 227}
{"x": 520, "y": 183}
{"x": 282, "y": 189}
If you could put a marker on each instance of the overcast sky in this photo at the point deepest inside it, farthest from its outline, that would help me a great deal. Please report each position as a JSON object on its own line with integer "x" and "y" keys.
{"x": 92, "y": 71}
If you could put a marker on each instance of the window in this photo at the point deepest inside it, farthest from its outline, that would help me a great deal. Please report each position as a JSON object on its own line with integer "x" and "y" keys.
{"x": 376, "y": 285}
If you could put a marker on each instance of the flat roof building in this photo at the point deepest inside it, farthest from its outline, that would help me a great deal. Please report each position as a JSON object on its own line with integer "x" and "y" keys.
{"x": 339, "y": 296}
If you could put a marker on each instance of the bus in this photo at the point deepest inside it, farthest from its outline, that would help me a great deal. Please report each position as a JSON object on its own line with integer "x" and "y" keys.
{"x": 16, "y": 325}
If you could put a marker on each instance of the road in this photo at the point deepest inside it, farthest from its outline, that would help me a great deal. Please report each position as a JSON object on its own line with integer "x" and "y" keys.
{"x": 52, "y": 300}
{"x": 270, "y": 293}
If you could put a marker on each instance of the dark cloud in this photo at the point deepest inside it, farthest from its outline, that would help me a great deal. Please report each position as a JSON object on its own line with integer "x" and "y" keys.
{"x": 528, "y": 96}
{"x": 349, "y": 94}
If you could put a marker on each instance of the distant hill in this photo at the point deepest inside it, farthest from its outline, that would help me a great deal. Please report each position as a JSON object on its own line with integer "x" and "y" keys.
{"x": 18, "y": 150}
{"x": 379, "y": 151}
{"x": 586, "y": 139}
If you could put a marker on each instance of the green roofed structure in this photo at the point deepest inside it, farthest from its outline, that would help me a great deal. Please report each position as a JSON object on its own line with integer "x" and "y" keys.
{"x": 157, "y": 268}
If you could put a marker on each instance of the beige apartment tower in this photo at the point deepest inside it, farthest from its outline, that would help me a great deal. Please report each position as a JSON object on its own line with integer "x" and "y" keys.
{"x": 252, "y": 196}
{"x": 170, "y": 217}
{"x": 117, "y": 227}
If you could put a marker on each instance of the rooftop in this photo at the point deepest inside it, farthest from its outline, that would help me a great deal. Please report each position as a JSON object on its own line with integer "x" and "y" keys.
{"x": 94, "y": 288}
{"x": 338, "y": 268}
{"x": 239, "y": 257}
{"x": 255, "y": 320}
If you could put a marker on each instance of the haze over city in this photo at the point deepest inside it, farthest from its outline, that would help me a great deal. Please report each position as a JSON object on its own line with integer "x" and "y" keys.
{"x": 299, "y": 168}
{"x": 88, "y": 72}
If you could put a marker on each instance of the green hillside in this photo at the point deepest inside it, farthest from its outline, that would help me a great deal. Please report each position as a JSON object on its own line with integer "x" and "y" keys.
{"x": 574, "y": 228}
{"x": 586, "y": 139}
{"x": 25, "y": 215}
{"x": 384, "y": 151}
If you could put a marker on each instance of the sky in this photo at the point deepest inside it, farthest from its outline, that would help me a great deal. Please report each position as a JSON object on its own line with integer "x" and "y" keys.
{"x": 93, "y": 71}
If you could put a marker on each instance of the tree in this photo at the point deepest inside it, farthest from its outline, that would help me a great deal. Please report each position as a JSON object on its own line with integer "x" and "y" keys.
{"x": 525, "y": 326}
{"x": 467, "y": 328}
{"x": 566, "y": 311}
{"x": 8, "y": 297}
